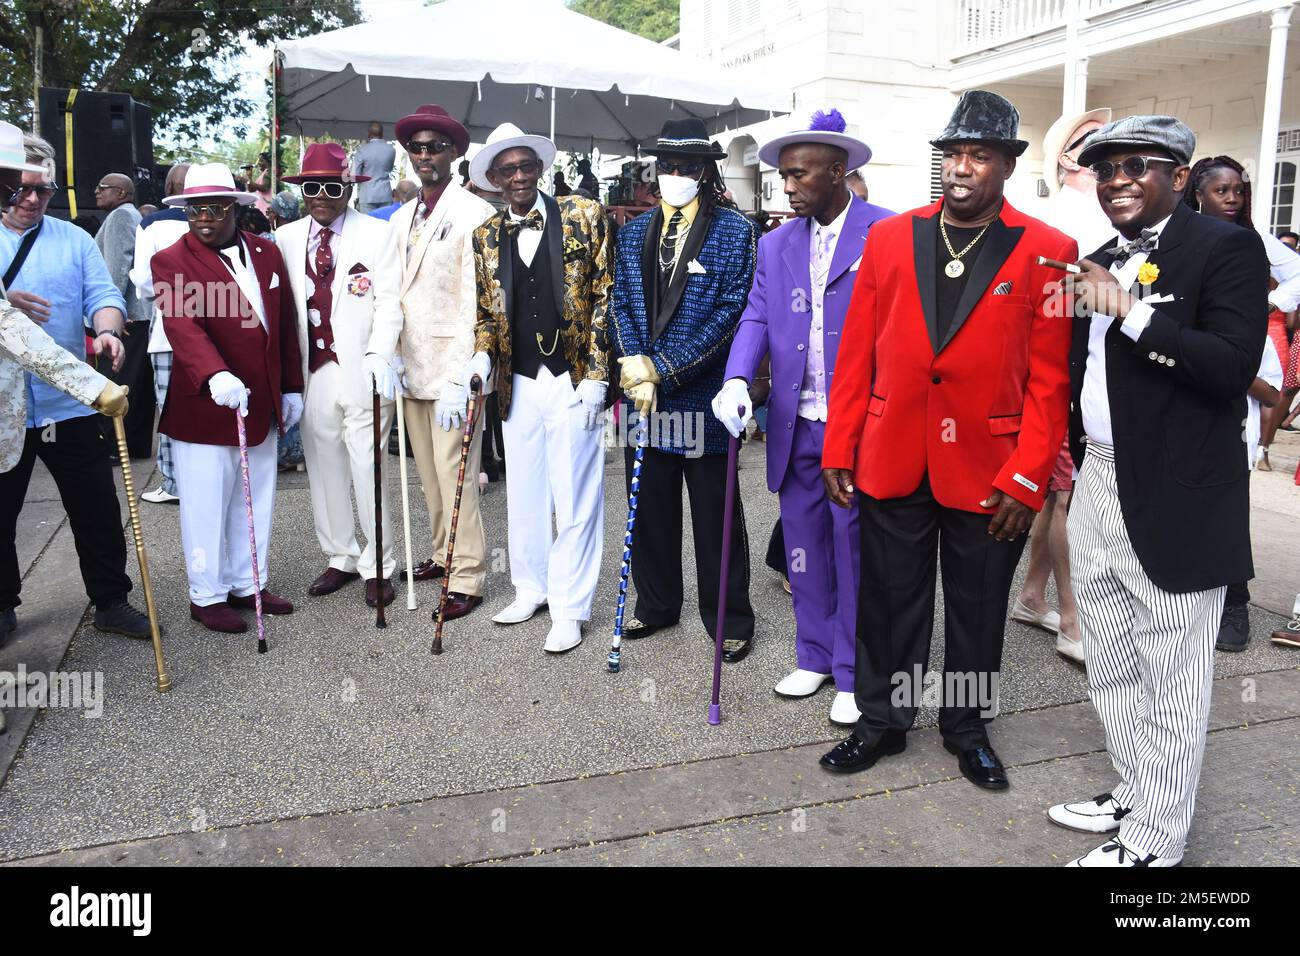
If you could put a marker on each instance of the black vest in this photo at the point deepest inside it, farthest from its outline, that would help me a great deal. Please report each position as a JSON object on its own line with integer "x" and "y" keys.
{"x": 533, "y": 297}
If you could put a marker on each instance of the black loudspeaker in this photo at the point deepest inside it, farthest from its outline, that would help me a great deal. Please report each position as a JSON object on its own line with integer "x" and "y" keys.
{"x": 108, "y": 133}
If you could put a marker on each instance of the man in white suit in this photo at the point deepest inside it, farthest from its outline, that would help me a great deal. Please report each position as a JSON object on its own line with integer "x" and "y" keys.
{"x": 345, "y": 273}
{"x": 434, "y": 232}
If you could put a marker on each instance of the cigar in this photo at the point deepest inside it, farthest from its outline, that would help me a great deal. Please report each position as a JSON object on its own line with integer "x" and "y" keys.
{"x": 1069, "y": 267}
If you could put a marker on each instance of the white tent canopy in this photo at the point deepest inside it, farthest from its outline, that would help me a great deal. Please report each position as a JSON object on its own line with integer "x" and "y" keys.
{"x": 493, "y": 61}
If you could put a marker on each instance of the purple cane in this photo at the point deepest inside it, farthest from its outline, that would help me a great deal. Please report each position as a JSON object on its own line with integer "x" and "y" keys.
{"x": 252, "y": 534}
{"x": 728, "y": 510}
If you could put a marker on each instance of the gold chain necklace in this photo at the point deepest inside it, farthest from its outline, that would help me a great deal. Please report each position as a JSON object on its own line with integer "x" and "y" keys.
{"x": 956, "y": 267}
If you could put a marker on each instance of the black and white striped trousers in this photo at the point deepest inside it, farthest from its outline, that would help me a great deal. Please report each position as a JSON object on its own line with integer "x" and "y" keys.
{"x": 1150, "y": 657}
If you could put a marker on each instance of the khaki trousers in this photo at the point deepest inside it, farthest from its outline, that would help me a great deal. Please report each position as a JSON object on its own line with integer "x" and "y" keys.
{"x": 437, "y": 459}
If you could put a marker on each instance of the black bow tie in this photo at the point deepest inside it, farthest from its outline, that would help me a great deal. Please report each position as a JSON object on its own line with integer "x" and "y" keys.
{"x": 1144, "y": 243}
{"x": 531, "y": 221}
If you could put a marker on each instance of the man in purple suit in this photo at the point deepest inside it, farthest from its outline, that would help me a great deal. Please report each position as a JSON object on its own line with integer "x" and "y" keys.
{"x": 802, "y": 286}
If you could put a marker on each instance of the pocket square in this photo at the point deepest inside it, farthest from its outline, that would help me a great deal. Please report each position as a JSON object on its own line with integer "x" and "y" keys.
{"x": 357, "y": 269}
{"x": 1003, "y": 288}
{"x": 443, "y": 232}
{"x": 275, "y": 281}
{"x": 1157, "y": 299}
{"x": 857, "y": 263}
{"x": 694, "y": 268}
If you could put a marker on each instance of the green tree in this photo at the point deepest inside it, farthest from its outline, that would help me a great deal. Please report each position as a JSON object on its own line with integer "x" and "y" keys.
{"x": 178, "y": 56}
{"x": 653, "y": 19}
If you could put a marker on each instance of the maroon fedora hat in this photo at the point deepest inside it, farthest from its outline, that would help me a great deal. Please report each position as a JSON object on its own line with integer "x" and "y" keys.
{"x": 325, "y": 161}
{"x": 433, "y": 117}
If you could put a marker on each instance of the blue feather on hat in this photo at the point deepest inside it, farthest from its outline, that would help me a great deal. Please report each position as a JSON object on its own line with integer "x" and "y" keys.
{"x": 832, "y": 122}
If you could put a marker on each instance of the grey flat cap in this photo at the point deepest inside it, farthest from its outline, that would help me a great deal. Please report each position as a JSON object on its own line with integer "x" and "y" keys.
{"x": 1163, "y": 132}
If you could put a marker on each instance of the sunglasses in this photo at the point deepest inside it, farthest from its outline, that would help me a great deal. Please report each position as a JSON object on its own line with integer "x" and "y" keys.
{"x": 17, "y": 193}
{"x": 431, "y": 148}
{"x": 667, "y": 168}
{"x": 331, "y": 190}
{"x": 1135, "y": 167}
{"x": 216, "y": 211}
{"x": 105, "y": 187}
{"x": 527, "y": 167}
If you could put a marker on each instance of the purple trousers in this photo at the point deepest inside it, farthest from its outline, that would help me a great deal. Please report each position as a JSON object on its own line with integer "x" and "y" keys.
{"x": 821, "y": 544}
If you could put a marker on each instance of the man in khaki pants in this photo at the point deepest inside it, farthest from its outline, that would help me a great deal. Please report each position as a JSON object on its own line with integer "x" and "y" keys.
{"x": 434, "y": 232}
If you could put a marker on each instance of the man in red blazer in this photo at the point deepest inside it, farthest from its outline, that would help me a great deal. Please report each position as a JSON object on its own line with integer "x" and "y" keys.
{"x": 229, "y": 313}
{"x": 947, "y": 412}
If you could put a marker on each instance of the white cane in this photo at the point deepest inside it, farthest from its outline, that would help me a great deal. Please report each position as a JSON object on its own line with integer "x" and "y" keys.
{"x": 406, "y": 505}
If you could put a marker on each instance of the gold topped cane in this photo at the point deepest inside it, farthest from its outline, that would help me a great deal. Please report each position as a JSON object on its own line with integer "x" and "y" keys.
{"x": 164, "y": 681}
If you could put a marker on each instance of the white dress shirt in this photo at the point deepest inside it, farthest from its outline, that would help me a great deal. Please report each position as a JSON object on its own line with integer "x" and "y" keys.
{"x": 813, "y": 391}
{"x": 1284, "y": 267}
{"x": 313, "y": 236}
{"x": 1094, "y": 403}
{"x": 530, "y": 240}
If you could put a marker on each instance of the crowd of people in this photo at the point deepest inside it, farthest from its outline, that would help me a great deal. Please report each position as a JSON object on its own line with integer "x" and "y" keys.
{"x": 935, "y": 383}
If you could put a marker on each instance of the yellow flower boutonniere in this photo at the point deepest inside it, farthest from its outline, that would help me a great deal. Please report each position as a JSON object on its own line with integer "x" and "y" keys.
{"x": 1148, "y": 273}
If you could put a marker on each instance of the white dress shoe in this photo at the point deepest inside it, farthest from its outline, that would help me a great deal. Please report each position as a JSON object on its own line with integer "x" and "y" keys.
{"x": 518, "y": 611}
{"x": 1049, "y": 620}
{"x": 845, "y": 710}
{"x": 1115, "y": 853}
{"x": 801, "y": 683}
{"x": 159, "y": 497}
{"x": 563, "y": 636}
{"x": 1068, "y": 648}
{"x": 1098, "y": 815}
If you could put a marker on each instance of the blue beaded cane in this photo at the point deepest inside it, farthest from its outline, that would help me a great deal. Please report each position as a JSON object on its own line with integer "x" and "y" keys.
{"x": 615, "y": 648}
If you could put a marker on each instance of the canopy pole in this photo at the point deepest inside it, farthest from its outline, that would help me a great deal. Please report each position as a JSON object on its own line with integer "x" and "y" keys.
{"x": 275, "y": 120}
{"x": 552, "y": 114}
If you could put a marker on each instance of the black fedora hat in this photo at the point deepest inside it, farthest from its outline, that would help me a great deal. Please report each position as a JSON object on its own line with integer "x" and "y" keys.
{"x": 685, "y": 137}
{"x": 984, "y": 117}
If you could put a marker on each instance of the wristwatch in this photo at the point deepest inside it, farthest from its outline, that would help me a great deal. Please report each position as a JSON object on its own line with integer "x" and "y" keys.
{"x": 113, "y": 332}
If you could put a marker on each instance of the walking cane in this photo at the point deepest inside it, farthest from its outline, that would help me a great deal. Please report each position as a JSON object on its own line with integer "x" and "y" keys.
{"x": 615, "y": 660}
{"x": 379, "y": 507}
{"x": 133, "y": 508}
{"x": 252, "y": 531}
{"x": 728, "y": 510}
{"x": 406, "y": 505}
{"x": 475, "y": 383}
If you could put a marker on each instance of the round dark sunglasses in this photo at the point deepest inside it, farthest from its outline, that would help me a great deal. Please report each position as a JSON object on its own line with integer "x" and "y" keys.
{"x": 1135, "y": 167}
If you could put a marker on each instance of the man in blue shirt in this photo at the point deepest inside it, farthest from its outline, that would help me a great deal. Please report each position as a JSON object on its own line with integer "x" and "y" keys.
{"x": 403, "y": 193}
{"x": 63, "y": 279}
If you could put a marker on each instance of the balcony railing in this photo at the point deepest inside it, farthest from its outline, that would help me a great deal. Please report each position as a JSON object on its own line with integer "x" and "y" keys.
{"x": 985, "y": 24}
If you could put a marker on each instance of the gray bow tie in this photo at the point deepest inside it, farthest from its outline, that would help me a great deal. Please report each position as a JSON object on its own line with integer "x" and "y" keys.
{"x": 1143, "y": 243}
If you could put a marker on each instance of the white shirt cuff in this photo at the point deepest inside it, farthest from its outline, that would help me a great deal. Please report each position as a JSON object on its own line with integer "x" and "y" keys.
{"x": 1139, "y": 317}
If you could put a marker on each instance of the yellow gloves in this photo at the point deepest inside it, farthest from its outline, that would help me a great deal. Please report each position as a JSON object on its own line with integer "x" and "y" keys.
{"x": 643, "y": 397}
{"x": 111, "y": 401}
{"x": 636, "y": 369}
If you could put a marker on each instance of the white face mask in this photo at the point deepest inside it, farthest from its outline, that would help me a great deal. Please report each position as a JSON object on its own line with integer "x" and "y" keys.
{"x": 678, "y": 190}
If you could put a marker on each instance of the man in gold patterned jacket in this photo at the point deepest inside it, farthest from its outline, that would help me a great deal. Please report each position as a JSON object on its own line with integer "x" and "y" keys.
{"x": 543, "y": 276}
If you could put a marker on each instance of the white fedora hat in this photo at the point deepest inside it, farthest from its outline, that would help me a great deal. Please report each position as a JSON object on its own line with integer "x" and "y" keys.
{"x": 825, "y": 128}
{"x": 504, "y": 137}
{"x": 12, "y": 153}
{"x": 1060, "y": 137}
{"x": 209, "y": 181}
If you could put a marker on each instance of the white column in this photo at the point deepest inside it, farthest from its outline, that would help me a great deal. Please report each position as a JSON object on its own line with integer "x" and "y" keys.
{"x": 1074, "y": 90}
{"x": 1272, "y": 119}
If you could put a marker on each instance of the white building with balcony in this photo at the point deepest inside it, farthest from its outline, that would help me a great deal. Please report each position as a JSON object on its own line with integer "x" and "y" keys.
{"x": 1228, "y": 68}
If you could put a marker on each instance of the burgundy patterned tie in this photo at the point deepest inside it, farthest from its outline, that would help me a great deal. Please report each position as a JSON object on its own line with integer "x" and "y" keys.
{"x": 320, "y": 335}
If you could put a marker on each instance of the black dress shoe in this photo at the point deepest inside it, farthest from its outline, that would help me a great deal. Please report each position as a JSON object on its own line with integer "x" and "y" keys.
{"x": 122, "y": 618}
{"x": 852, "y": 755}
{"x": 980, "y": 765}
{"x": 733, "y": 652}
{"x": 635, "y": 630}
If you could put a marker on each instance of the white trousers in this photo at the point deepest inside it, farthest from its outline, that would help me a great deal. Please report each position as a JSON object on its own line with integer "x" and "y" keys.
{"x": 556, "y": 467}
{"x": 1150, "y": 664}
{"x": 338, "y": 446}
{"x": 214, "y": 521}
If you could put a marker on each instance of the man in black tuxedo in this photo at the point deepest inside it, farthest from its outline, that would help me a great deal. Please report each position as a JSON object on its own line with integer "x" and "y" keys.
{"x": 1168, "y": 333}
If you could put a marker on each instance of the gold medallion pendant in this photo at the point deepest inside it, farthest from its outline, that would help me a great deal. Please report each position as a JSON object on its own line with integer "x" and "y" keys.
{"x": 954, "y": 269}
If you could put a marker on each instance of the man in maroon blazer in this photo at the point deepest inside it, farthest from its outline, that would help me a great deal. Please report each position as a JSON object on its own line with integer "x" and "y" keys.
{"x": 229, "y": 314}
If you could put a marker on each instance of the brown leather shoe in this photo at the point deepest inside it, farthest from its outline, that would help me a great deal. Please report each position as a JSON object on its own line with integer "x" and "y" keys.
{"x": 271, "y": 603}
{"x": 372, "y": 590}
{"x": 330, "y": 580}
{"x": 218, "y": 617}
{"x": 458, "y": 605}
{"x": 426, "y": 571}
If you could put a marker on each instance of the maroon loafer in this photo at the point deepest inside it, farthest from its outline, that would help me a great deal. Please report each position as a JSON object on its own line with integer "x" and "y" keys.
{"x": 271, "y": 603}
{"x": 218, "y": 617}
{"x": 372, "y": 592}
{"x": 426, "y": 571}
{"x": 330, "y": 580}
{"x": 458, "y": 605}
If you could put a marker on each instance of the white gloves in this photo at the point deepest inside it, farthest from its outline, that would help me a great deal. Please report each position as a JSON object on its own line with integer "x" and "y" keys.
{"x": 399, "y": 372}
{"x": 290, "y": 409}
{"x": 229, "y": 392}
{"x": 380, "y": 372}
{"x": 452, "y": 403}
{"x": 734, "y": 394}
{"x": 480, "y": 365}
{"x": 592, "y": 396}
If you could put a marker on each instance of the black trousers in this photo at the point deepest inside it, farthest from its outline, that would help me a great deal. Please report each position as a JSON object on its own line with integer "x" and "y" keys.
{"x": 657, "y": 543}
{"x": 76, "y": 454}
{"x": 137, "y": 374}
{"x": 775, "y": 558}
{"x": 900, "y": 538}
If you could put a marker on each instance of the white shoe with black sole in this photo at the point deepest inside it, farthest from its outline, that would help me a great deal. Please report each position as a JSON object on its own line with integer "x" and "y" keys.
{"x": 1116, "y": 853}
{"x": 1098, "y": 815}
{"x": 160, "y": 497}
